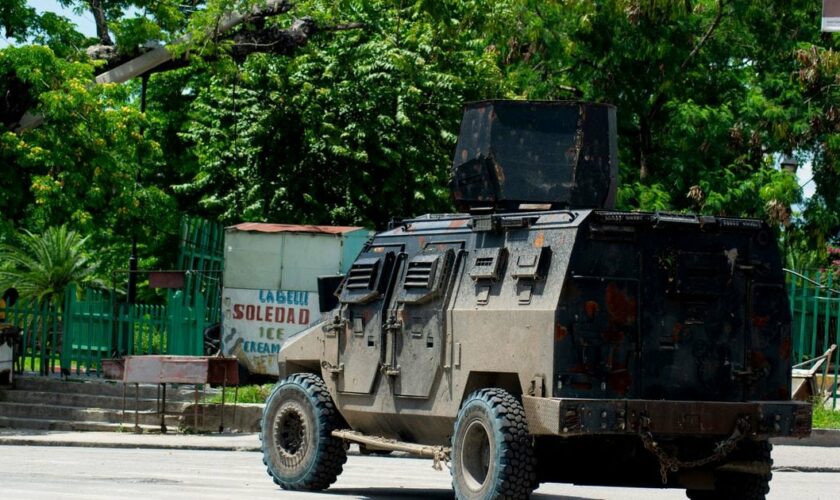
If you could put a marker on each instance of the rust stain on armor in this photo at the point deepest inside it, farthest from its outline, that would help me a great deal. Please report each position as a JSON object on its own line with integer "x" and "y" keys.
{"x": 591, "y": 307}
{"x": 621, "y": 308}
{"x": 619, "y": 380}
{"x": 760, "y": 321}
{"x": 785, "y": 348}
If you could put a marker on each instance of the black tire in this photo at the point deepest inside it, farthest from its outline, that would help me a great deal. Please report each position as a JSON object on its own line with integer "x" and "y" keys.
{"x": 492, "y": 452}
{"x": 741, "y": 485}
{"x": 212, "y": 339}
{"x": 299, "y": 450}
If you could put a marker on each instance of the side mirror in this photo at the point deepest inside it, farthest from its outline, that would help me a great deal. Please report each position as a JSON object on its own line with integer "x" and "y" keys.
{"x": 327, "y": 286}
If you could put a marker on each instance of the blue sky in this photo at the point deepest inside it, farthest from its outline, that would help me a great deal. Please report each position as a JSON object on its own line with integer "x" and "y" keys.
{"x": 86, "y": 25}
{"x": 84, "y": 20}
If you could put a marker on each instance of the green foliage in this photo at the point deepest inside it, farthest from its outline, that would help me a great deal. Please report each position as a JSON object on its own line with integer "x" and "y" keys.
{"x": 825, "y": 418}
{"x": 83, "y": 164}
{"x": 256, "y": 394}
{"x": 357, "y": 128}
{"x": 359, "y": 125}
{"x": 15, "y": 17}
{"x": 59, "y": 34}
{"x": 42, "y": 266}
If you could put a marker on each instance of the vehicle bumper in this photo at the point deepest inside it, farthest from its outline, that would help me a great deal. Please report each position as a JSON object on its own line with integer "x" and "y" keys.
{"x": 580, "y": 417}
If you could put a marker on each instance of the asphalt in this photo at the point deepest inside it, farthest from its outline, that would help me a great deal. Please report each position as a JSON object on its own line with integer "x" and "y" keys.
{"x": 786, "y": 457}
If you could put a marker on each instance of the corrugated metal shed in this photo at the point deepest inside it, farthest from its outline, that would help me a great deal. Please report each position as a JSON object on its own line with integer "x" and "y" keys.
{"x": 288, "y": 256}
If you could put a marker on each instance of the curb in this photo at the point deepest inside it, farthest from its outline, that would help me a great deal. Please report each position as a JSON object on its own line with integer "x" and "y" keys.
{"x": 807, "y": 469}
{"x": 23, "y": 441}
{"x": 818, "y": 437}
{"x": 150, "y": 446}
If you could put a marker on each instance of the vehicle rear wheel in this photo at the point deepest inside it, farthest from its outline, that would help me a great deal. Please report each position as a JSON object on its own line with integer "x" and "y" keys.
{"x": 296, "y": 433}
{"x": 492, "y": 452}
{"x": 741, "y": 485}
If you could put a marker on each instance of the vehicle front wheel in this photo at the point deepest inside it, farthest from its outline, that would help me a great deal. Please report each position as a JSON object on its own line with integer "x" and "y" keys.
{"x": 492, "y": 452}
{"x": 296, "y": 433}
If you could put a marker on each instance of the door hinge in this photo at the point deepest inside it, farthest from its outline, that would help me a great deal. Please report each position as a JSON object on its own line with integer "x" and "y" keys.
{"x": 332, "y": 369}
{"x": 390, "y": 371}
{"x": 335, "y": 326}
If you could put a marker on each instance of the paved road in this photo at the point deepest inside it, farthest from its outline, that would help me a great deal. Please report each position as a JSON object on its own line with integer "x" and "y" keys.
{"x": 36, "y": 472}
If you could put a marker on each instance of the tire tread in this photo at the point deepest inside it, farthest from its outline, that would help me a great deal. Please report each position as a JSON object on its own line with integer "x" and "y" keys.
{"x": 330, "y": 454}
{"x": 517, "y": 464}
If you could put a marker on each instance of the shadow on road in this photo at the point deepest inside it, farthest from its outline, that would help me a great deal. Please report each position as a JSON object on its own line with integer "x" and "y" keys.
{"x": 423, "y": 494}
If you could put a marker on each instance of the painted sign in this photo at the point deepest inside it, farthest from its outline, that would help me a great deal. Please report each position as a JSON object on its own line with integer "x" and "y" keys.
{"x": 257, "y": 322}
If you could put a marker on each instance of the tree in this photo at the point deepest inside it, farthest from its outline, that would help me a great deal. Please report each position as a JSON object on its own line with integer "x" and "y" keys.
{"x": 292, "y": 117}
{"x": 90, "y": 164}
{"x": 42, "y": 266}
{"x": 355, "y": 128}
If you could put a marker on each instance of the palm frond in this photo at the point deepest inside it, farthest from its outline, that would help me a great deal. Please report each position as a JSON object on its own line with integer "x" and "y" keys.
{"x": 42, "y": 266}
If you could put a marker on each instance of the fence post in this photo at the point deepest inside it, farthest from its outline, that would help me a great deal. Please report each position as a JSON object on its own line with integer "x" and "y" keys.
{"x": 67, "y": 328}
{"x": 815, "y": 322}
{"x": 173, "y": 333}
{"x": 827, "y": 321}
{"x": 836, "y": 357}
{"x": 198, "y": 334}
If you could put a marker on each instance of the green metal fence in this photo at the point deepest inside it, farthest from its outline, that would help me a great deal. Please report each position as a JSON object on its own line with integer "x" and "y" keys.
{"x": 90, "y": 326}
{"x": 40, "y": 325}
{"x": 815, "y": 303}
{"x": 173, "y": 328}
{"x": 88, "y": 329}
{"x": 202, "y": 255}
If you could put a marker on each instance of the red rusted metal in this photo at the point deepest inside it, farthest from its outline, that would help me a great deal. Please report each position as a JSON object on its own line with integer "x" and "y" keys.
{"x": 166, "y": 279}
{"x": 293, "y": 228}
{"x": 164, "y": 370}
{"x": 173, "y": 370}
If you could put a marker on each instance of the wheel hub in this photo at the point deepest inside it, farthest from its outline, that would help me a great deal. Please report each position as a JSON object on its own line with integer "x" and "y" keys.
{"x": 475, "y": 455}
{"x": 290, "y": 435}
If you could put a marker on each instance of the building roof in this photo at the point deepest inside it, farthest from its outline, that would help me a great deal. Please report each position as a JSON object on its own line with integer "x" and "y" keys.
{"x": 261, "y": 227}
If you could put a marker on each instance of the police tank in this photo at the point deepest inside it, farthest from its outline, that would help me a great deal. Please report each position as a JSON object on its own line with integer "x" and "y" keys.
{"x": 540, "y": 335}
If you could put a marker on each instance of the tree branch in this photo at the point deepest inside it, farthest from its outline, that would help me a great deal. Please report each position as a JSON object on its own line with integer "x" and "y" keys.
{"x": 101, "y": 23}
{"x": 706, "y": 35}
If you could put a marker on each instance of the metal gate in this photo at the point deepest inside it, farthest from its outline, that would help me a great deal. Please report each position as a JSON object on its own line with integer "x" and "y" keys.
{"x": 815, "y": 303}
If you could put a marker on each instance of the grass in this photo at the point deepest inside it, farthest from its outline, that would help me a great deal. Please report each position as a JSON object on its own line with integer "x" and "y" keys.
{"x": 825, "y": 418}
{"x": 247, "y": 394}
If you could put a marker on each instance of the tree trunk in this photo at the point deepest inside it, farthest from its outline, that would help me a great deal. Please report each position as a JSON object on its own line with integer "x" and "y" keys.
{"x": 644, "y": 148}
{"x": 101, "y": 23}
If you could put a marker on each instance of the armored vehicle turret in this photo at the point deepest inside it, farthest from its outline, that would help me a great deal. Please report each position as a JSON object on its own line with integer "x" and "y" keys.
{"x": 541, "y": 335}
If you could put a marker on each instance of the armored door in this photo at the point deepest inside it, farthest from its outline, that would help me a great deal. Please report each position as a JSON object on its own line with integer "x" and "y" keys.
{"x": 356, "y": 341}
{"x": 417, "y": 330}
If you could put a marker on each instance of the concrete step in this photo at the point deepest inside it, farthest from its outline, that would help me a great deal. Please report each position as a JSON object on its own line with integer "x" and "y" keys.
{"x": 99, "y": 387}
{"x": 73, "y": 426}
{"x": 72, "y": 413}
{"x": 88, "y": 400}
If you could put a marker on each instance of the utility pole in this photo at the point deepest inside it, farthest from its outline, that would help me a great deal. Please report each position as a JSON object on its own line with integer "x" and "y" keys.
{"x": 132, "y": 260}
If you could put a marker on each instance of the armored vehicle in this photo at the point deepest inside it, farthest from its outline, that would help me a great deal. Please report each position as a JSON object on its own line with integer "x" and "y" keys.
{"x": 543, "y": 336}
